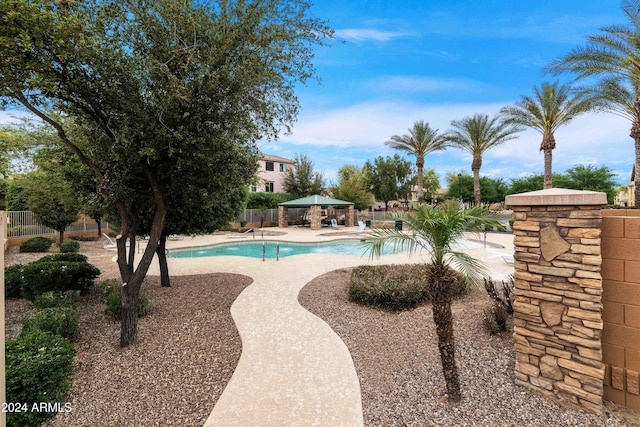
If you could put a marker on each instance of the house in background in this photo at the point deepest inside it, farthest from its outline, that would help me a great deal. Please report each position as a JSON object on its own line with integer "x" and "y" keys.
{"x": 272, "y": 171}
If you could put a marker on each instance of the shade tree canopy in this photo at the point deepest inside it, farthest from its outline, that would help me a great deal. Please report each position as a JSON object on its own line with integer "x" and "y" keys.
{"x": 165, "y": 96}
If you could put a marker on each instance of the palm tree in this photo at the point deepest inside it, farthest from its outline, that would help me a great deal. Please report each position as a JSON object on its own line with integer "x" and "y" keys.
{"x": 612, "y": 56}
{"x": 551, "y": 106}
{"x": 436, "y": 229}
{"x": 477, "y": 135}
{"x": 420, "y": 141}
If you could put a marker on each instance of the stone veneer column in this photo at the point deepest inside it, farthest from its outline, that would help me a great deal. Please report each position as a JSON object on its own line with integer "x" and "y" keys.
{"x": 558, "y": 291}
{"x": 283, "y": 216}
{"x": 348, "y": 216}
{"x": 315, "y": 216}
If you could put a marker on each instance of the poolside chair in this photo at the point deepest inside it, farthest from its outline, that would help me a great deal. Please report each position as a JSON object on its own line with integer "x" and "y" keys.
{"x": 361, "y": 227}
{"x": 508, "y": 259}
{"x": 334, "y": 223}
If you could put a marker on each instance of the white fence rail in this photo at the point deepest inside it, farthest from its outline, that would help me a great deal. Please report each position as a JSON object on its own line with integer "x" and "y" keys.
{"x": 24, "y": 224}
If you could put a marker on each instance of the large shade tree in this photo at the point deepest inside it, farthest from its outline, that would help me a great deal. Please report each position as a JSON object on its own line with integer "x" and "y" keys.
{"x": 302, "y": 180}
{"x": 436, "y": 230}
{"x": 552, "y": 106}
{"x": 477, "y": 135}
{"x": 388, "y": 178}
{"x": 171, "y": 93}
{"x": 609, "y": 64}
{"x": 352, "y": 187}
{"x": 420, "y": 141}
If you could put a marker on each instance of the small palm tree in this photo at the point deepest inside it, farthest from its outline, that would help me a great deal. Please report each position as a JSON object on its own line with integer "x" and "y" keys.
{"x": 420, "y": 141}
{"x": 477, "y": 135}
{"x": 612, "y": 56}
{"x": 551, "y": 107}
{"x": 436, "y": 229}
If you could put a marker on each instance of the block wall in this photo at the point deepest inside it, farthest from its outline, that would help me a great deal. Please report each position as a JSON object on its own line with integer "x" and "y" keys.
{"x": 621, "y": 299}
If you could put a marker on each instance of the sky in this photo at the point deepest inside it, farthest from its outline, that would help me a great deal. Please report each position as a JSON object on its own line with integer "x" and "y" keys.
{"x": 396, "y": 62}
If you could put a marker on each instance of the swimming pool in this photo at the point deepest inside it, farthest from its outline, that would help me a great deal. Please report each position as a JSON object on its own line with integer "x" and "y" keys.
{"x": 273, "y": 249}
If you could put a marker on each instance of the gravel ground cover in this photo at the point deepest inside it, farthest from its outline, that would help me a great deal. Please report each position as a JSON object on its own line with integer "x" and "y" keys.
{"x": 396, "y": 357}
{"x": 187, "y": 351}
{"x": 189, "y": 347}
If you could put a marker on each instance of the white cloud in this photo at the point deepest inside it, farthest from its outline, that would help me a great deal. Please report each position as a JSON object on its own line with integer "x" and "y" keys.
{"x": 362, "y": 34}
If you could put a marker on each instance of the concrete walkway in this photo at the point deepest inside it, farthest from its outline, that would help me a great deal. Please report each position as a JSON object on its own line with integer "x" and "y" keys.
{"x": 294, "y": 370}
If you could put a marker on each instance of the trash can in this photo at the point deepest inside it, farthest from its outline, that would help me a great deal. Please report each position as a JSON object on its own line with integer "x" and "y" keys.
{"x": 399, "y": 225}
{"x": 367, "y": 223}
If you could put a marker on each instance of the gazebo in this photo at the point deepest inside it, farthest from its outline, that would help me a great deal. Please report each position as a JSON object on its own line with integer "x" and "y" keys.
{"x": 315, "y": 204}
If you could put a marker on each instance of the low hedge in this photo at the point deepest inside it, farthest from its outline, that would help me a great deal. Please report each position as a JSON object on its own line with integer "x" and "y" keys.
{"x": 113, "y": 300}
{"x": 61, "y": 321}
{"x": 71, "y": 257}
{"x": 40, "y": 277}
{"x": 70, "y": 246}
{"x": 36, "y": 244}
{"x": 394, "y": 287}
{"x": 12, "y": 281}
{"x": 39, "y": 368}
{"x": 56, "y": 299}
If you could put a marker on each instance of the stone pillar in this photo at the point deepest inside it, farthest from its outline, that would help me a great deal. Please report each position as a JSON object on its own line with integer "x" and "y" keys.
{"x": 348, "y": 216}
{"x": 558, "y": 292}
{"x": 314, "y": 215}
{"x": 283, "y": 216}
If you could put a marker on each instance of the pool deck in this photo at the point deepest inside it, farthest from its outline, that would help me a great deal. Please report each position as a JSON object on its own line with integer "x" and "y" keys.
{"x": 294, "y": 370}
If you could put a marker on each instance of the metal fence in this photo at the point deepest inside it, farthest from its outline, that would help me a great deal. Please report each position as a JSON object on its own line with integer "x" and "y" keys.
{"x": 24, "y": 224}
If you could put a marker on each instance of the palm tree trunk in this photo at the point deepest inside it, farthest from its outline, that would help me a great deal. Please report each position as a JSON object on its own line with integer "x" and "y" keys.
{"x": 547, "y": 146}
{"x": 440, "y": 283}
{"x": 475, "y": 167}
{"x": 420, "y": 166}
{"x": 635, "y": 134}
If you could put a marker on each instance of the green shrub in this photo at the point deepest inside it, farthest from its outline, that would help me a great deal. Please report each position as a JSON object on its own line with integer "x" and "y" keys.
{"x": 36, "y": 244}
{"x": 114, "y": 303}
{"x": 56, "y": 299}
{"x": 394, "y": 287}
{"x": 12, "y": 281}
{"x": 39, "y": 368}
{"x": 70, "y": 257}
{"x": 61, "y": 321}
{"x": 41, "y": 277}
{"x": 69, "y": 246}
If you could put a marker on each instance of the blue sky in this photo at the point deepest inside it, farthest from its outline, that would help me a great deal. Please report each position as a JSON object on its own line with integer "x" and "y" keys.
{"x": 402, "y": 61}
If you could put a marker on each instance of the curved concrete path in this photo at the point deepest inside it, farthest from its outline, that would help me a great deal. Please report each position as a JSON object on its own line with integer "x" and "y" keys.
{"x": 294, "y": 370}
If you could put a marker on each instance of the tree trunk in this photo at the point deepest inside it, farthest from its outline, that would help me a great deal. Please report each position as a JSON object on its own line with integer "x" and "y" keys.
{"x": 419, "y": 166}
{"x": 61, "y": 234}
{"x": 98, "y": 220}
{"x": 635, "y": 134}
{"x": 440, "y": 294}
{"x": 161, "y": 252}
{"x": 129, "y": 325}
{"x": 475, "y": 167}
{"x": 547, "y": 146}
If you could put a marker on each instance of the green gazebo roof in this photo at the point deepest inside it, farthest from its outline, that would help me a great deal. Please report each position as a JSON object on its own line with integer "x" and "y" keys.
{"x": 315, "y": 200}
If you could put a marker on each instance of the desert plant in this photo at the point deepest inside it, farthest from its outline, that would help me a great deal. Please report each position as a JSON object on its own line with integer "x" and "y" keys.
{"x": 36, "y": 244}
{"x": 12, "y": 281}
{"x": 495, "y": 318}
{"x": 56, "y": 299}
{"x": 69, "y": 257}
{"x": 61, "y": 321}
{"x": 501, "y": 292}
{"x": 39, "y": 368}
{"x": 69, "y": 246}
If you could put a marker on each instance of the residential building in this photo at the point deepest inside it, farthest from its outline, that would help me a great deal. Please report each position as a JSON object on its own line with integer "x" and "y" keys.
{"x": 272, "y": 171}
{"x": 632, "y": 187}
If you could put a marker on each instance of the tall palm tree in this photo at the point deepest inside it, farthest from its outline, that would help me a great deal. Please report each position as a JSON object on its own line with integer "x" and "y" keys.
{"x": 436, "y": 229}
{"x": 477, "y": 135}
{"x": 551, "y": 107}
{"x": 613, "y": 56}
{"x": 420, "y": 141}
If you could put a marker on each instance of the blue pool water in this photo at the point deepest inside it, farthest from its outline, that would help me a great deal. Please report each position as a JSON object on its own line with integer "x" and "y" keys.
{"x": 254, "y": 249}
